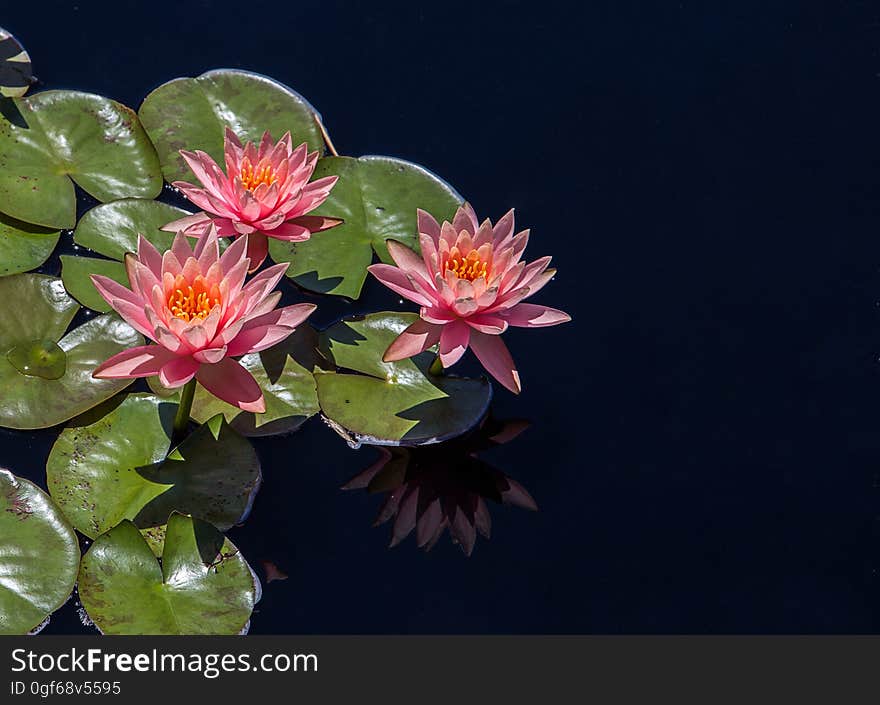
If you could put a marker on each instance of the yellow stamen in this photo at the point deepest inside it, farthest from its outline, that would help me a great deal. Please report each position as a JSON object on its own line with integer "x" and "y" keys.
{"x": 189, "y": 303}
{"x": 251, "y": 178}
{"x": 470, "y": 267}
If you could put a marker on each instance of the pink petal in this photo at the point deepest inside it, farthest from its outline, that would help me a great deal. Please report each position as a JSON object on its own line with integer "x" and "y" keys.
{"x": 437, "y": 314}
{"x": 177, "y": 372}
{"x": 142, "y": 361}
{"x": 269, "y": 222}
{"x": 205, "y": 170}
{"x": 495, "y": 357}
{"x": 535, "y": 316}
{"x": 249, "y": 206}
{"x": 210, "y": 356}
{"x": 207, "y": 249}
{"x": 510, "y": 299}
{"x": 229, "y": 381}
{"x": 141, "y": 277}
{"x": 257, "y": 250}
{"x": 448, "y": 235}
{"x": 427, "y": 225}
{"x": 212, "y": 322}
{"x": 289, "y": 316}
{"x": 317, "y": 223}
{"x": 181, "y": 248}
{"x": 242, "y": 228}
{"x": 406, "y": 259}
{"x": 291, "y": 232}
{"x": 233, "y": 280}
{"x": 193, "y": 225}
{"x": 110, "y": 289}
{"x": 133, "y": 314}
{"x": 503, "y": 230}
{"x": 397, "y": 281}
{"x": 315, "y": 192}
{"x": 149, "y": 256}
{"x": 230, "y": 330}
{"x": 233, "y": 254}
{"x": 268, "y": 304}
{"x": 266, "y": 145}
{"x": 519, "y": 243}
{"x": 200, "y": 198}
{"x": 453, "y": 342}
{"x": 483, "y": 236}
{"x": 465, "y": 219}
{"x": 220, "y": 207}
{"x": 257, "y": 338}
{"x": 170, "y": 263}
{"x": 168, "y": 340}
{"x": 465, "y": 298}
{"x": 263, "y": 283}
{"x": 232, "y": 151}
{"x": 430, "y": 256}
{"x": 191, "y": 269}
{"x": 531, "y": 270}
{"x": 487, "y": 323}
{"x": 416, "y": 338}
{"x": 539, "y": 281}
{"x": 225, "y": 227}
{"x": 196, "y": 336}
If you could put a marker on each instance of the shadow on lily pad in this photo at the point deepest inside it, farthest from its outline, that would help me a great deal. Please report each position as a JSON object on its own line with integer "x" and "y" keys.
{"x": 367, "y": 400}
{"x": 313, "y": 282}
{"x": 114, "y": 464}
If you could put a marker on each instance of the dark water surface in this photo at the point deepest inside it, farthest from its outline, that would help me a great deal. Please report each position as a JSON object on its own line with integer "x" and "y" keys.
{"x": 704, "y": 443}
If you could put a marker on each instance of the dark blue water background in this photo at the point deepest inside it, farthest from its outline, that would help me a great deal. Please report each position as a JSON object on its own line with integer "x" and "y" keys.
{"x": 704, "y": 446}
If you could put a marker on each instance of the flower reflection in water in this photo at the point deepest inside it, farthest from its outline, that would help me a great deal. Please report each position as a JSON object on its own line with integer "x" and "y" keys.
{"x": 432, "y": 488}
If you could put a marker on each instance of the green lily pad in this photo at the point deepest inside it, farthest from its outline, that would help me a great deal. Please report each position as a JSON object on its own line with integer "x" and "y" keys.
{"x": 112, "y": 464}
{"x": 377, "y": 197}
{"x": 38, "y": 558}
{"x": 284, "y": 373}
{"x": 393, "y": 403}
{"x": 193, "y": 113}
{"x": 203, "y": 586}
{"x": 24, "y": 246}
{"x": 56, "y": 138}
{"x": 41, "y": 358}
{"x": 45, "y": 375}
{"x": 111, "y": 230}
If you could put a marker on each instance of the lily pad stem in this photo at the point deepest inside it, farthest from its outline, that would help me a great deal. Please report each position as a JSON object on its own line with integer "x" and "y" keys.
{"x": 184, "y": 407}
{"x": 436, "y": 367}
{"x": 326, "y": 136}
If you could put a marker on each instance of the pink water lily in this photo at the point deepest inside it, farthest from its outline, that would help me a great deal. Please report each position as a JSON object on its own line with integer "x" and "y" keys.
{"x": 264, "y": 193}
{"x": 196, "y": 306}
{"x": 470, "y": 282}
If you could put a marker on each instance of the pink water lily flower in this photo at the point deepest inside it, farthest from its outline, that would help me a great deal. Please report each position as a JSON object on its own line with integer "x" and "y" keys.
{"x": 470, "y": 282}
{"x": 196, "y": 306}
{"x": 264, "y": 193}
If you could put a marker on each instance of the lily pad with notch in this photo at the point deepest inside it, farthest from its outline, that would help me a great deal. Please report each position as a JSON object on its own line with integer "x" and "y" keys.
{"x": 51, "y": 140}
{"x": 392, "y": 403}
{"x": 39, "y": 556}
{"x": 111, "y": 230}
{"x": 203, "y": 586}
{"x": 377, "y": 197}
{"x": 45, "y": 373}
{"x": 193, "y": 113}
{"x": 113, "y": 464}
